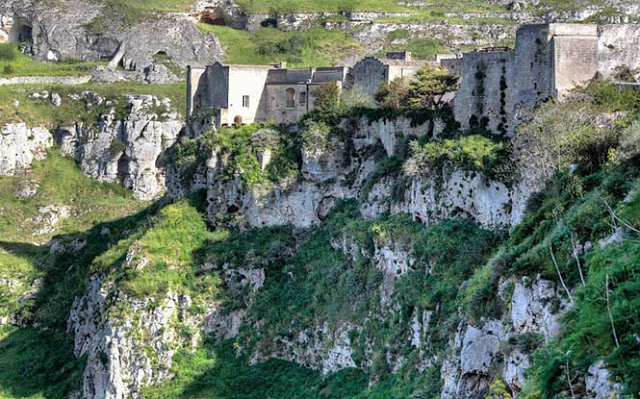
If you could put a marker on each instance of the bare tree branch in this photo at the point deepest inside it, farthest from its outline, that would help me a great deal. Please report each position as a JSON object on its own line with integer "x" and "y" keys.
{"x": 613, "y": 327}
{"x": 616, "y": 217}
{"x": 574, "y": 248}
{"x": 553, "y": 257}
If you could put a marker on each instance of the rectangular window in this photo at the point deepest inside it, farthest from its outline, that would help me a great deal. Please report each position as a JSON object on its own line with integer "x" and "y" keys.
{"x": 245, "y": 101}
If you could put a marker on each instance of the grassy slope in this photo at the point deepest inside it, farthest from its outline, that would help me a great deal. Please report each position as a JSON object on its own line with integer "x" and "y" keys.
{"x": 14, "y": 63}
{"x": 318, "y": 47}
{"x": 39, "y": 364}
{"x": 40, "y": 112}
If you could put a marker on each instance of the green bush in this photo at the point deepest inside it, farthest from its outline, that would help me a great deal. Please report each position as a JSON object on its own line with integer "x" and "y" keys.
{"x": 8, "y": 70}
{"x": 8, "y": 52}
{"x": 473, "y": 152}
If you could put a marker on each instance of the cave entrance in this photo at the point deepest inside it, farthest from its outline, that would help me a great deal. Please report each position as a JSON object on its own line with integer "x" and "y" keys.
{"x": 269, "y": 23}
{"x": 21, "y": 31}
{"x": 214, "y": 16}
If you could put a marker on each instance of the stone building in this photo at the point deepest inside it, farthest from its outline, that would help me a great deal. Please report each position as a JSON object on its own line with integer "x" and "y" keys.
{"x": 241, "y": 94}
{"x": 548, "y": 61}
{"x": 369, "y": 73}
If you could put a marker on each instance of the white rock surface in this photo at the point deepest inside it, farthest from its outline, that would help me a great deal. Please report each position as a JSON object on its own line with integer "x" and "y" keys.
{"x": 20, "y": 145}
{"x": 130, "y": 151}
{"x": 532, "y": 307}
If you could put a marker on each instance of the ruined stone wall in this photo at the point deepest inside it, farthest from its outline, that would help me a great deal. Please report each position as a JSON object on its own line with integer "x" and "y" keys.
{"x": 196, "y": 88}
{"x": 244, "y": 81}
{"x": 484, "y": 97}
{"x": 548, "y": 61}
{"x": 367, "y": 75}
{"x": 402, "y": 71}
{"x": 531, "y": 66}
{"x": 575, "y": 56}
{"x": 276, "y": 106}
{"x": 217, "y": 86}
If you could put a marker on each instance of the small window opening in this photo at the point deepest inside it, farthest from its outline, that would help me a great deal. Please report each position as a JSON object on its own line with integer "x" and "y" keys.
{"x": 291, "y": 98}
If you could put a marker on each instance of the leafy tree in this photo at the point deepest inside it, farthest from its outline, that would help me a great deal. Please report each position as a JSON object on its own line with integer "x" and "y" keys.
{"x": 328, "y": 98}
{"x": 428, "y": 87}
{"x": 498, "y": 390}
{"x": 393, "y": 95}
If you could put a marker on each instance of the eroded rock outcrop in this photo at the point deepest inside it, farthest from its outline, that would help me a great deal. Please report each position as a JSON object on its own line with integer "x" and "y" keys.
{"x": 129, "y": 151}
{"x": 75, "y": 29}
{"x": 20, "y": 145}
{"x": 119, "y": 360}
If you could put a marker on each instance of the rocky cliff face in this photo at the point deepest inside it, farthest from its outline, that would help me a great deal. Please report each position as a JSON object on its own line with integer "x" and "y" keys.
{"x": 75, "y": 29}
{"x": 333, "y": 173}
{"x": 127, "y": 353}
{"x": 129, "y": 151}
{"x": 126, "y": 148}
{"x": 20, "y": 145}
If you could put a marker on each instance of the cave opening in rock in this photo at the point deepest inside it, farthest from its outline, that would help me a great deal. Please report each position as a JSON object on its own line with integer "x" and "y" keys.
{"x": 214, "y": 16}
{"x": 269, "y": 23}
{"x": 21, "y": 31}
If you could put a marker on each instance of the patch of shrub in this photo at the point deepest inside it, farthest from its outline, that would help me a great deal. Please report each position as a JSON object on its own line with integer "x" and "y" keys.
{"x": 473, "y": 152}
{"x": 8, "y": 70}
{"x": 8, "y": 52}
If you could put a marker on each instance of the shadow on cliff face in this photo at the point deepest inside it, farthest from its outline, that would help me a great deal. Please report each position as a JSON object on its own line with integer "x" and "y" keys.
{"x": 37, "y": 363}
{"x": 36, "y": 349}
{"x": 222, "y": 373}
{"x": 36, "y": 352}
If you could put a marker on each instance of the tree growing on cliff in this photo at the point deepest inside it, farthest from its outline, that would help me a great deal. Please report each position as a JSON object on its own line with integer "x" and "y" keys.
{"x": 328, "y": 99}
{"x": 428, "y": 87}
{"x": 425, "y": 90}
{"x": 393, "y": 95}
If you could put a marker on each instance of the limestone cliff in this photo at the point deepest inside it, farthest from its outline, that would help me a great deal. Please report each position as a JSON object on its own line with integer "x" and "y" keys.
{"x": 73, "y": 29}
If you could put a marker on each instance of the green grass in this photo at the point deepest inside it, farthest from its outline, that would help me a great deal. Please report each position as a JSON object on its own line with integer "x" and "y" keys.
{"x": 421, "y": 48}
{"x": 61, "y": 183}
{"x": 37, "y": 364}
{"x": 40, "y": 112}
{"x": 214, "y": 371}
{"x": 22, "y": 260}
{"x": 315, "y": 47}
{"x": 128, "y": 12}
{"x": 288, "y": 6}
{"x": 14, "y": 63}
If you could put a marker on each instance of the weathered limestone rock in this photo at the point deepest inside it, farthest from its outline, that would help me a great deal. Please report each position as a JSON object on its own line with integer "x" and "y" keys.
{"x": 393, "y": 262}
{"x": 513, "y": 374}
{"x": 70, "y": 29}
{"x": 598, "y": 384}
{"x": 20, "y": 146}
{"x": 535, "y": 307}
{"x": 129, "y": 151}
{"x": 49, "y": 216}
{"x": 317, "y": 347}
{"x": 387, "y": 132}
{"x": 118, "y": 362}
{"x": 457, "y": 193}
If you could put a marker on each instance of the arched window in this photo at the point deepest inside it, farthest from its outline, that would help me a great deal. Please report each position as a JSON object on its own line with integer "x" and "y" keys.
{"x": 302, "y": 98}
{"x": 291, "y": 98}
